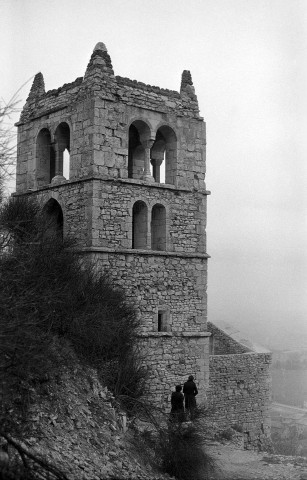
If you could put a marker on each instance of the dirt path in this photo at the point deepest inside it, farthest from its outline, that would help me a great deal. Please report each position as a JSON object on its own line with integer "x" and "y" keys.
{"x": 236, "y": 464}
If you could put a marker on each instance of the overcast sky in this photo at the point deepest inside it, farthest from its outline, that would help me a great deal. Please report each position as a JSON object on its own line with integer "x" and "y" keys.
{"x": 249, "y": 67}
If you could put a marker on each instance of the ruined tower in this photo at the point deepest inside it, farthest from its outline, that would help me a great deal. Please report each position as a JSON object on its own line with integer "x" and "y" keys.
{"x": 121, "y": 167}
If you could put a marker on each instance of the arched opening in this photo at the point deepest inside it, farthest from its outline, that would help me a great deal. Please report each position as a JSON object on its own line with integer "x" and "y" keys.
{"x": 62, "y": 139}
{"x": 45, "y": 158}
{"x": 138, "y": 134}
{"x": 163, "y": 156}
{"x": 66, "y": 164}
{"x": 53, "y": 220}
{"x": 139, "y": 225}
{"x": 158, "y": 227}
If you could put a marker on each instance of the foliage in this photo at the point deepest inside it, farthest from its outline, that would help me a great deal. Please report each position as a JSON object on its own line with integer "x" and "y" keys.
{"x": 46, "y": 291}
{"x": 179, "y": 446}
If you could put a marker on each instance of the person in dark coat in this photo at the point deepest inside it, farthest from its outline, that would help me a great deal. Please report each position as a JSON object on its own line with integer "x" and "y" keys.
{"x": 177, "y": 411}
{"x": 190, "y": 391}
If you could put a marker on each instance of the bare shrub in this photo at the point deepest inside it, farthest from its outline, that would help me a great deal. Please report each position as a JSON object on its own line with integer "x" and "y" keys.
{"x": 27, "y": 465}
{"x": 179, "y": 447}
{"x": 7, "y": 141}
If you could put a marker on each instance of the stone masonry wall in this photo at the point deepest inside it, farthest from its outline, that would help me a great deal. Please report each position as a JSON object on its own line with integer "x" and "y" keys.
{"x": 110, "y": 140}
{"x": 153, "y": 281}
{"x": 75, "y": 199}
{"x": 79, "y": 117}
{"x": 171, "y": 358}
{"x": 223, "y": 344}
{"x": 177, "y": 283}
{"x": 99, "y": 132}
{"x": 240, "y": 394}
{"x": 99, "y": 109}
{"x": 112, "y": 215}
{"x": 173, "y": 281}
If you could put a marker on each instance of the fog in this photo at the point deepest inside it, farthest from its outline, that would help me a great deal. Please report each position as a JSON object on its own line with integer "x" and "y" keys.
{"x": 249, "y": 67}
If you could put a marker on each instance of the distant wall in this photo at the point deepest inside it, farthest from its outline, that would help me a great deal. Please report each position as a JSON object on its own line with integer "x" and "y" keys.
{"x": 240, "y": 394}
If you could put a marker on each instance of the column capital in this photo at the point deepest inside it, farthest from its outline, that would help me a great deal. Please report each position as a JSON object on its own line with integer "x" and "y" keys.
{"x": 148, "y": 143}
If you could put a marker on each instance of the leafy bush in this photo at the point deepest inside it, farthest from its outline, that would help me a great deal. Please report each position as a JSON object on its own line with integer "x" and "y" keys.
{"x": 46, "y": 290}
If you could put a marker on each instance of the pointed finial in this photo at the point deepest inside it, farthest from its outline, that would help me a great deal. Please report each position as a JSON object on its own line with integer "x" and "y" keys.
{"x": 38, "y": 87}
{"x": 37, "y": 91}
{"x": 100, "y": 46}
{"x": 100, "y": 62}
{"x": 186, "y": 89}
{"x": 186, "y": 80}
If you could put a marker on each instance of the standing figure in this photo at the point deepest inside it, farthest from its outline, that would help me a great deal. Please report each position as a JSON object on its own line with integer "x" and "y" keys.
{"x": 190, "y": 391}
{"x": 177, "y": 411}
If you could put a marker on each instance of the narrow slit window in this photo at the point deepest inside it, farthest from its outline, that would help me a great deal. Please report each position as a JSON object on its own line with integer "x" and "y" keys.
{"x": 160, "y": 316}
{"x": 163, "y": 320}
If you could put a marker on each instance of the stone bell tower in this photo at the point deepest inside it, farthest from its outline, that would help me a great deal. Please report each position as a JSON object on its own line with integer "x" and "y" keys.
{"x": 121, "y": 166}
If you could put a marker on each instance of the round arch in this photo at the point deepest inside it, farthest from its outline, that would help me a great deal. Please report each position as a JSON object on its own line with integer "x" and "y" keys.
{"x": 139, "y": 225}
{"x": 143, "y": 125}
{"x": 62, "y": 141}
{"x": 164, "y": 155}
{"x": 158, "y": 227}
{"x": 53, "y": 220}
{"x": 44, "y": 157}
{"x": 139, "y": 134}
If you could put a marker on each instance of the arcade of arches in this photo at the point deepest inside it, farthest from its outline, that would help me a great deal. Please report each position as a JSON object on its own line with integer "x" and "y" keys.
{"x": 140, "y": 234}
{"x": 52, "y": 158}
{"x": 152, "y": 159}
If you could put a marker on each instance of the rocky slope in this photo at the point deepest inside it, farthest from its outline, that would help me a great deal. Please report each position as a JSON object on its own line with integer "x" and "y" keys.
{"x": 74, "y": 423}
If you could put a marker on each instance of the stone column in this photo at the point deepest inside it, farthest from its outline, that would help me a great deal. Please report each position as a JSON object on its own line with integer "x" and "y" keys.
{"x": 156, "y": 161}
{"x": 147, "y": 175}
{"x": 58, "y": 164}
{"x": 58, "y": 160}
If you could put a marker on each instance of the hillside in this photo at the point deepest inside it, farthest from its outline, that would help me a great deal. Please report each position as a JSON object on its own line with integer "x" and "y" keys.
{"x": 73, "y": 422}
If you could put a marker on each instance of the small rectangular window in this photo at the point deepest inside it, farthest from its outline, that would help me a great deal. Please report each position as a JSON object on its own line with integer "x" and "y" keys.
{"x": 162, "y": 320}
{"x": 160, "y": 315}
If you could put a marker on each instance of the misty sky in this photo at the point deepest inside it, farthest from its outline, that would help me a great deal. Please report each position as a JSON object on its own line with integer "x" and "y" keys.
{"x": 248, "y": 60}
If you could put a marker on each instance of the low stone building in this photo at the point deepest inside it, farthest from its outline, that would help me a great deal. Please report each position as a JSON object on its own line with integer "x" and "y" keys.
{"x": 120, "y": 166}
{"x": 240, "y": 385}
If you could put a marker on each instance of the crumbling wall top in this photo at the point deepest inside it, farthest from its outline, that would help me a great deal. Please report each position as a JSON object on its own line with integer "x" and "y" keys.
{"x": 99, "y": 80}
